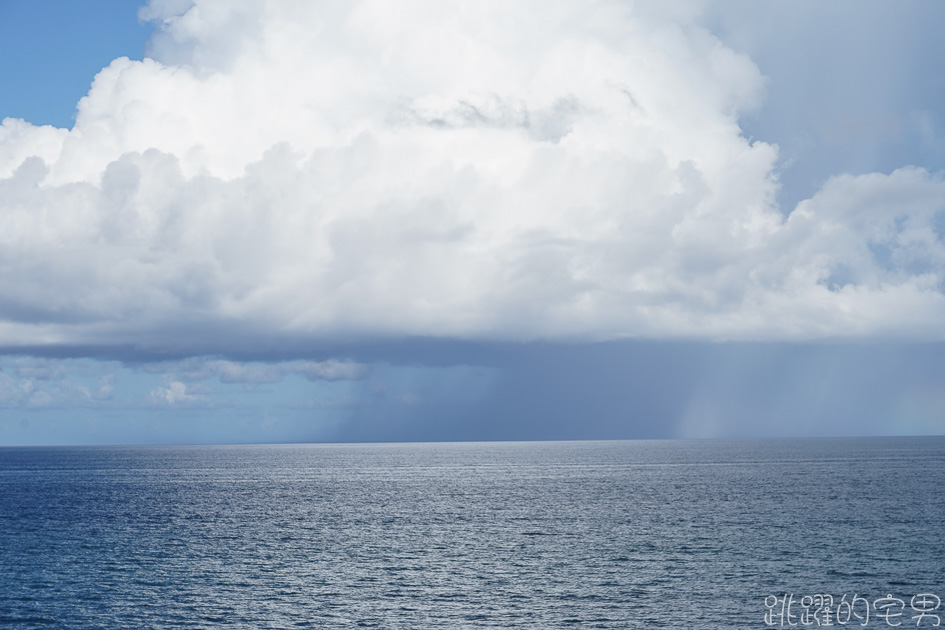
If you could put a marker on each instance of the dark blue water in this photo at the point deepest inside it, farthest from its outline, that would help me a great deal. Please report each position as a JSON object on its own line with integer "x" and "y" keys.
{"x": 534, "y": 535}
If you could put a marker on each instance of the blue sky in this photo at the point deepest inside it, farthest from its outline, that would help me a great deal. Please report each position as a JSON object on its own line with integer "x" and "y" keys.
{"x": 275, "y": 222}
{"x": 51, "y": 51}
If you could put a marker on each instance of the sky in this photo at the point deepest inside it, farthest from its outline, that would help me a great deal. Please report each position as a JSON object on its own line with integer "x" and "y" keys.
{"x": 229, "y": 222}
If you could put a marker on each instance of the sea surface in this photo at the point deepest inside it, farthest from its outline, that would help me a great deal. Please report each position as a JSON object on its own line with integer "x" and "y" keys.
{"x": 638, "y": 534}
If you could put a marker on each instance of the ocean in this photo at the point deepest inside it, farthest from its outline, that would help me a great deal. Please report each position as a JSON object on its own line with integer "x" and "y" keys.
{"x": 630, "y": 534}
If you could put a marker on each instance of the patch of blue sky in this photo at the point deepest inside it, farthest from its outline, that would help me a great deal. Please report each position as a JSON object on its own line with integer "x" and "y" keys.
{"x": 51, "y": 50}
{"x": 851, "y": 87}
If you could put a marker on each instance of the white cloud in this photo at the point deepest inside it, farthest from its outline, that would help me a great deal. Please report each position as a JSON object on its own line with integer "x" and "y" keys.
{"x": 331, "y": 370}
{"x": 479, "y": 170}
{"x": 42, "y": 393}
{"x": 197, "y": 369}
{"x": 106, "y": 387}
{"x": 37, "y": 368}
{"x": 254, "y": 373}
{"x": 177, "y": 394}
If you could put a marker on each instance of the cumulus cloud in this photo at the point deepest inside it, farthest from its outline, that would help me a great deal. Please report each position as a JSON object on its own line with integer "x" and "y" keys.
{"x": 489, "y": 170}
{"x": 37, "y": 368}
{"x": 106, "y": 388}
{"x": 232, "y": 372}
{"x": 42, "y": 393}
{"x": 331, "y": 370}
{"x": 197, "y": 369}
{"x": 177, "y": 394}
